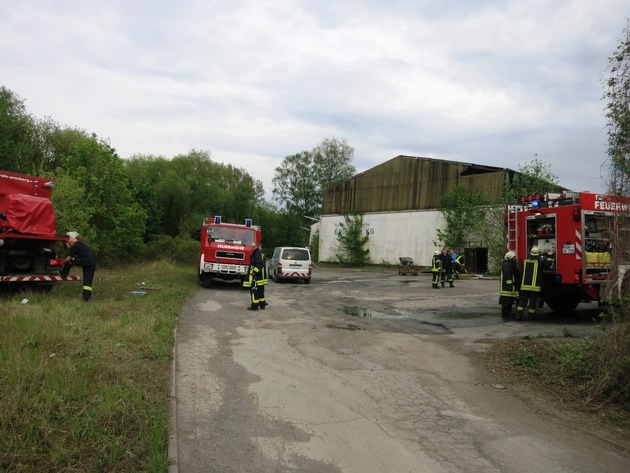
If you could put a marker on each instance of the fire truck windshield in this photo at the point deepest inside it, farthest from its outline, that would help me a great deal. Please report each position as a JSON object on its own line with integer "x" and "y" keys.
{"x": 246, "y": 236}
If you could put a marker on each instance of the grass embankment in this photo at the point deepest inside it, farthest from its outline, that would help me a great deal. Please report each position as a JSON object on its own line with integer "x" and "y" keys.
{"x": 587, "y": 374}
{"x": 84, "y": 386}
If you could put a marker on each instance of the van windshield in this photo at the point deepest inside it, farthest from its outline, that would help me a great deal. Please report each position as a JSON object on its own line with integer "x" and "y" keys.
{"x": 297, "y": 254}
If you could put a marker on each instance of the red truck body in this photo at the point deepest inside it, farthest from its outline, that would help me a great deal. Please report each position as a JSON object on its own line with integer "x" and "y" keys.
{"x": 28, "y": 235}
{"x": 225, "y": 250}
{"x": 579, "y": 236}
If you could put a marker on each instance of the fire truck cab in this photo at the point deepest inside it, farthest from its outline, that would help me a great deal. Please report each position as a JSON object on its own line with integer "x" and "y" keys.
{"x": 580, "y": 237}
{"x": 225, "y": 250}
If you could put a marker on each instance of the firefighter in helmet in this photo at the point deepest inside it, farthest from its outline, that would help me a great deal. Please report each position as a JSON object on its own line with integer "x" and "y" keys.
{"x": 257, "y": 279}
{"x": 510, "y": 280}
{"x": 530, "y": 284}
{"x": 436, "y": 268}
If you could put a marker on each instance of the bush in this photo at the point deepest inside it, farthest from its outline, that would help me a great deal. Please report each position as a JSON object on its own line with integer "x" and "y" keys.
{"x": 610, "y": 381}
{"x": 179, "y": 249}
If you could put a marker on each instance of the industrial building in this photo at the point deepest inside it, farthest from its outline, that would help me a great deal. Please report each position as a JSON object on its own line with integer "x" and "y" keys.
{"x": 398, "y": 200}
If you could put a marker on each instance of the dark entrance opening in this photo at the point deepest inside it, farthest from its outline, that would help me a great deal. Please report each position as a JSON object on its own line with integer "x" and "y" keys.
{"x": 476, "y": 260}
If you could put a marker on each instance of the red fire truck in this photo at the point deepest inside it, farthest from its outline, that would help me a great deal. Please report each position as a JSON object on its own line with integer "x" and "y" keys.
{"x": 580, "y": 236}
{"x": 28, "y": 236}
{"x": 225, "y": 250}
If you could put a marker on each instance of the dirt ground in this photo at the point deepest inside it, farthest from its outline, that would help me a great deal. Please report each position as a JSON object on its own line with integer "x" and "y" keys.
{"x": 369, "y": 371}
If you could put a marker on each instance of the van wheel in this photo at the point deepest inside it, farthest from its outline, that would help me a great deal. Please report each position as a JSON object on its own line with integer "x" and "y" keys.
{"x": 307, "y": 281}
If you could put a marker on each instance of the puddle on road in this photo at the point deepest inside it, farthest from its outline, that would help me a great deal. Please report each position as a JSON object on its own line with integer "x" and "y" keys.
{"x": 464, "y": 315}
{"x": 365, "y": 313}
{"x": 395, "y": 321}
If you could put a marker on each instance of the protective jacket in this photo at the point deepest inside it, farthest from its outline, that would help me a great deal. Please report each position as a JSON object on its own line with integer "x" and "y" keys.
{"x": 437, "y": 264}
{"x": 510, "y": 279}
{"x": 257, "y": 270}
{"x": 532, "y": 275}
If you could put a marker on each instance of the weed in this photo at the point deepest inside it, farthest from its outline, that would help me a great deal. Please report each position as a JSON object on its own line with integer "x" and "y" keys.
{"x": 84, "y": 386}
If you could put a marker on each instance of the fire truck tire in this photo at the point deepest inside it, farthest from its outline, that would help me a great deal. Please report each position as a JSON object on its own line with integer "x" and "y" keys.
{"x": 205, "y": 280}
{"x": 562, "y": 303}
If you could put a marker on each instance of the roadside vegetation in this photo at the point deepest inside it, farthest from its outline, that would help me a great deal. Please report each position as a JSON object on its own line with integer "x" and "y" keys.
{"x": 587, "y": 374}
{"x": 85, "y": 386}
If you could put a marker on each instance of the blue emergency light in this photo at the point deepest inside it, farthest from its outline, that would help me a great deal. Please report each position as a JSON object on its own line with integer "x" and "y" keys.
{"x": 248, "y": 222}
{"x": 217, "y": 219}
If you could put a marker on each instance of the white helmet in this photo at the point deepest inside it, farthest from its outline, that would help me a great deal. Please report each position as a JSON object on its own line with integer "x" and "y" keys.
{"x": 509, "y": 255}
{"x": 535, "y": 251}
{"x": 437, "y": 252}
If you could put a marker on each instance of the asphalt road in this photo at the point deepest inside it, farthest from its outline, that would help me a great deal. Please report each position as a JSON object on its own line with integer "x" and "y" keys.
{"x": 368, "y": 371}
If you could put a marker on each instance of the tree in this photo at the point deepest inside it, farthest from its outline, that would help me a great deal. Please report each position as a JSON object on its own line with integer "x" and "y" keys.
{"x": 191, "y": 186}
{"x": 97, "y": 201}
{"x": 333, "y": 158}
{"x": 463, "y": 213}
{"x": 351, "y": 240}
{"x": 534, "y": 176}
{"x": 302, "y": 178}
{"x": 17, "y": 134}
{"x": 618, "y": 113}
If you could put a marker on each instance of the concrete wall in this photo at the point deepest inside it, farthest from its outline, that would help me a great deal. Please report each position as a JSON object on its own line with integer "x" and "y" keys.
{"x": 392, "y": 235}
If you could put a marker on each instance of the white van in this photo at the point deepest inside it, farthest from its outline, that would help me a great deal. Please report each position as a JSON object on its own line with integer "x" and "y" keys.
{"x": 290, "y": 263}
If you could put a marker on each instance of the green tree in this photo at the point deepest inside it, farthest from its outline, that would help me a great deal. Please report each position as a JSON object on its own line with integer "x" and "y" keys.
{"x": 617, "y": 95}
{"x": 17, "y": 134}
{"x": 97, "y": 201}
{"x": 463, "y": 214}
{"x": 333, "y": 163}
{"x": 534, "y": 176}
{"x": 351, "y": 241}
{"x": 301, "y": 180}
{"x": 191, "y": 186}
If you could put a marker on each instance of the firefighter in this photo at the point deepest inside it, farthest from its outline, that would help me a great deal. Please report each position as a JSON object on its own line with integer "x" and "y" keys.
{"x": 447, "y": 268}
{"x": 510, "y": 280}
{"x": 263, "y": 280}
{"x": 256, "y": 274}
{"x": 436, "y": 268}
{"x": 80, "y": 254}
{"x": 530, "y": 285}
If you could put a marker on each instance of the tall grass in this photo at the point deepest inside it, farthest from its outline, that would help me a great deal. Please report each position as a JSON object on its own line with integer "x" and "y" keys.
{"x": 84, "y": 386}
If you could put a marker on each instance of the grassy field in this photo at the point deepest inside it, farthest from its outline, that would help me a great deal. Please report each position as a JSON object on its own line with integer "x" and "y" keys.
{"x": 84, "y": 386}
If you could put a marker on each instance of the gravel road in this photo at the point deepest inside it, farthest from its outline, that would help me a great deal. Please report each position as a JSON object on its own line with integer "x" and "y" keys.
{"x": 368, "y": 371}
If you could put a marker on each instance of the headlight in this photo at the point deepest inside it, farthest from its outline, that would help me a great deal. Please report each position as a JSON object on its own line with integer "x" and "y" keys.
{"x": 207, "y": 266}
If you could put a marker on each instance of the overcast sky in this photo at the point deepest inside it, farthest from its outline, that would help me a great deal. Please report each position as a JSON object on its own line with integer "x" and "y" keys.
{"x": 493, "y": 82}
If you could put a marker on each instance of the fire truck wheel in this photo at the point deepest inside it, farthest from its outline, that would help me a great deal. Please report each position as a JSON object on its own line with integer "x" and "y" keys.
{"x": 205, "y": 280}
{"x": 562, "y": 303}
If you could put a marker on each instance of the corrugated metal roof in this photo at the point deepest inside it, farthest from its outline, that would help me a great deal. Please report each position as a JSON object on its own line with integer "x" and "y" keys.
{"x": 412, "y": 183}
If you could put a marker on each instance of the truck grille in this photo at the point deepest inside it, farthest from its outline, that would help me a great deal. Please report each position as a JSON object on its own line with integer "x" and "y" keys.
{"x": 231, "y": 255}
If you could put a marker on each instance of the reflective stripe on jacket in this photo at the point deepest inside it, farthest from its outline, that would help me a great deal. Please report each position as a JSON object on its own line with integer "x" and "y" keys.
{"x": 509, "y": 279}
{"x": 437, "y": 264}
{"x": 532, "y": 275}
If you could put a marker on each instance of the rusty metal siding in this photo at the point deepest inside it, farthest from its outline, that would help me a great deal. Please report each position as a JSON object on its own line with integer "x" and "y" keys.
{"x": 410, "y": 183}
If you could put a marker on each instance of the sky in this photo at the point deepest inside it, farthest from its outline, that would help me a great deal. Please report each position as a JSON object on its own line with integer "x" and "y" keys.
{"x": 495, "y": 82}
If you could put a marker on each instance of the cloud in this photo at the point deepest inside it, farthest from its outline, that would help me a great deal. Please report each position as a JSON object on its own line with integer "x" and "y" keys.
{"x": 491, "y": 82}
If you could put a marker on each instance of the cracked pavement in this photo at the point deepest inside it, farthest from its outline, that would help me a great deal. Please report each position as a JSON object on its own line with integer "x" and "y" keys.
{"x": 365, "y": 371}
